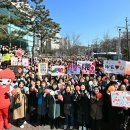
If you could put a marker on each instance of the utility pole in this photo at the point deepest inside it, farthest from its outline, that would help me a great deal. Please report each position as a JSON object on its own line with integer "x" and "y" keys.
{"x": 127, "y": 39}
{"x": 126, "y": 36}
{"x": 119, "y": 45}
{"x": 88, "y": 52}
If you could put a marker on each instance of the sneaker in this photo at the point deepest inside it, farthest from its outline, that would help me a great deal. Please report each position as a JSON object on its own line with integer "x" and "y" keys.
{"x": 22, "y": 126}
{"x": 25, "y": 122}
{"x": 71, "y": 127}
{"x": 65, "y": 127}
{"x": 84, "y": 128}
{"x": 80, "y": 127}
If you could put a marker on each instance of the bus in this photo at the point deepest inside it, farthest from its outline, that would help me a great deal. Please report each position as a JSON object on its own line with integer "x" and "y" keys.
{"x": 107, "y": 55}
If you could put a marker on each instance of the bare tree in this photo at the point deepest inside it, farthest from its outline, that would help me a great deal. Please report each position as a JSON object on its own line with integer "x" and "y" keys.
{"x": 70, "y": 45}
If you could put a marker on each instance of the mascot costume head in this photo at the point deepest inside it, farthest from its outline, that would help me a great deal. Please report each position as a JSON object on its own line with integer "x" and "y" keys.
{"x": 6, "y": 77}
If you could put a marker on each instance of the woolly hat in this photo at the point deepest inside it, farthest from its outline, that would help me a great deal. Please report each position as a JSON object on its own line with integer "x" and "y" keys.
{"x": 7, "y": 74}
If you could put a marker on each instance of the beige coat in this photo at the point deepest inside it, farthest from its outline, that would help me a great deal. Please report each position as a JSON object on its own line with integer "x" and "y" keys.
{"x": 19, "y": 104}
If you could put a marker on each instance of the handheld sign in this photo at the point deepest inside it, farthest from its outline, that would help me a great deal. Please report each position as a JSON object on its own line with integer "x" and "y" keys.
{"x": 42, "y": 68}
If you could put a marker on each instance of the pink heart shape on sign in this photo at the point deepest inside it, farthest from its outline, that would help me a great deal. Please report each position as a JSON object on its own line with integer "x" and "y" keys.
{"x": 92, "y": 68}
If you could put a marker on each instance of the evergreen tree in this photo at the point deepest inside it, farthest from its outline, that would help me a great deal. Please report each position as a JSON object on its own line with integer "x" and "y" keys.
{"x": 10, "y": 18}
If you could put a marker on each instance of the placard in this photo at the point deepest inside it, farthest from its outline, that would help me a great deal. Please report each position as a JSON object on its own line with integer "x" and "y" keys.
{"x": 18, "y": 70}
{"x": 73, "y": 69}
{"x": 25, "y": 61}
{"x": 42, "y": 68}
{"x": 115, "y": 67}
{"x": 127, "y": 68}
{"x": 120, "y": 99}
{"x": 14, "y": 61}
{"x": 87, "y": 67}
{"x": 20, "y": 52}
{"x": 57, "y": 70}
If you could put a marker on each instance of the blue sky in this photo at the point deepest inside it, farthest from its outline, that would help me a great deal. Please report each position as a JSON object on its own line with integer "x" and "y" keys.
{"x": 91, "y": 19}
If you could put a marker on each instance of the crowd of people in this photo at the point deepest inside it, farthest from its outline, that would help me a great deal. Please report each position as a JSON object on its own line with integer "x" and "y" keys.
{"x": 80, "y": 102}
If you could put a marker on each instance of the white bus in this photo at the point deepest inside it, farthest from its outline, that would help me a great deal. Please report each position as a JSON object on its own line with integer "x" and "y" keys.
{"x": 107, "y": 55}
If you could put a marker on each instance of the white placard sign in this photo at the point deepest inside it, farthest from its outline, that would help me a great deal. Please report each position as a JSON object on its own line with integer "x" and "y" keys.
{"x": 25, "y": 62}
{"x": 57, "y": 70}
{"x": 14, "y": 61}
{"x": 115, "y": 67}
{"x": 120, "y": 99}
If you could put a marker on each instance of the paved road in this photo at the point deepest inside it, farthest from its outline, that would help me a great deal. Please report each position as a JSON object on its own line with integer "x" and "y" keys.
{"x": 30, "y": 127}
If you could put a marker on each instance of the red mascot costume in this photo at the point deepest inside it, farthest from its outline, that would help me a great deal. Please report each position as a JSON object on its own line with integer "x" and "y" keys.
{"x": 6, "y": 77}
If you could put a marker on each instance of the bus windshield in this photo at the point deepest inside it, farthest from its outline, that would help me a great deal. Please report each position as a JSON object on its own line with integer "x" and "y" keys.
{"x": 107, "y": 55}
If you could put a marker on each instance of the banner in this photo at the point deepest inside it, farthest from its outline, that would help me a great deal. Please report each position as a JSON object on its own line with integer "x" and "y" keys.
{"x": 87, "y": 67}
{"x": 115, "y": 67}
{"x": 14, "y": 61}
{"x": 18, "y": 70}
{"x": 73, "y": 69}
{"x": 42, "y": 68}
{"x": 25, "y": 61}
{"x": 19, "y": 61}
{"x": 120, "y": 99}
{"x": 20, "y": 52}
{"x": 127, "y": 68}
{"x": 57, "y": 70}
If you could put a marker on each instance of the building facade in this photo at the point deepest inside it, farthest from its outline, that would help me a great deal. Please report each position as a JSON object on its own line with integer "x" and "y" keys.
{"x": 26, "y": 42}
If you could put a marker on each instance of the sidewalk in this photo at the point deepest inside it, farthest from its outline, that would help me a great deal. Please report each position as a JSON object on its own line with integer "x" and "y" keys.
{"x": 30, "y": 127}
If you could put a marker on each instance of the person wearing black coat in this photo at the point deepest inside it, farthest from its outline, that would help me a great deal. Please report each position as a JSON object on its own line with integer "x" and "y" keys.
{"x": 96, "y": 113}
{"x": 33, "y": 101}
{"x": 68, "y": 99}
{"x": 125, "y": 112}
{"x": 112, "y": 112}
{"x": 83, "y": 114}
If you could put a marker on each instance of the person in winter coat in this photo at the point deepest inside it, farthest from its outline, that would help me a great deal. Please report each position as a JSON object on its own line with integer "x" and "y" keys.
{"x": 42, "y": 104}
{"x": 83, "y": 102}
{"x": 32, "y": 99}
{"x": 96, "y": 109}
{"x": 54, "y": 106}
{"x": 20, "y": 105}
{"x": 112, "y": 112}
{"x": 68, "y": 108}
{"x": 125, "y": 113}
